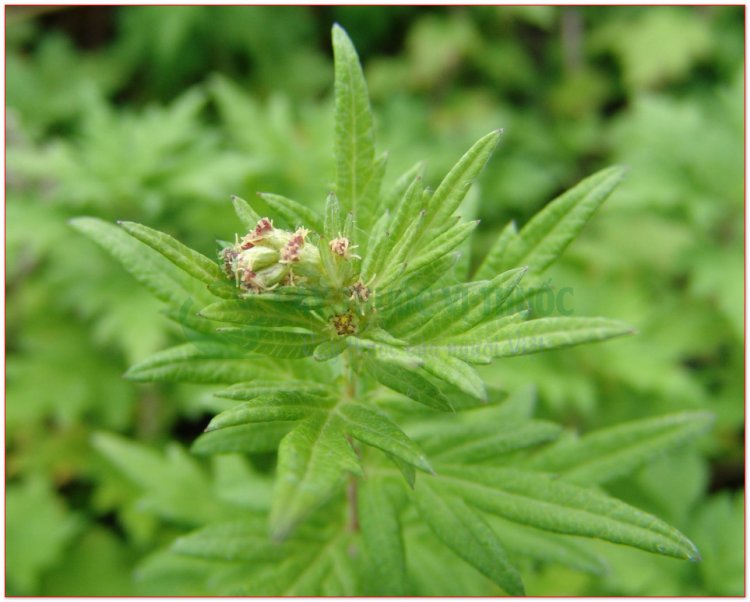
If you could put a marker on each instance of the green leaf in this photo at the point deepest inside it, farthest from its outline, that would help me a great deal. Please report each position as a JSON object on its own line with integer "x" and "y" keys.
{"x": 200, "y": 362}
{"x": 253, "y": 389}
{"x": 275, "y": 342}
{"x": 197, "y": 265}
{"x": 493, "y": 262}
{"x": 553, "y": 505}
{"x": 545, "y": 237}
{"x": 246, "y": 413}
{"x": 293, "y": 212}
{"x": 376, "y": 429}
{"x": 248, "y": 438}
{"x": 544, "y": 334}
{"x": 354, "y": 146}
{"x": 381, "y": 535}
{"x": 412, "y": 382}
{"x": 258, "y": 312}
{"x": 407, "y": 209}
{"x": 456, "y": 372}
{"x": 456, "y": 184}
{"x": 393, "y": 260}
{"x": 329, "y": 349}
{"x": 468, "y": 535}
{"x": 245, "y": 540}
{"x": 312, "y": 462}
{"x": 442, "y": 245}
{"x": 333, "y": 222}
{"x": 247, "y": 215}
{"x": 613, "y": 452}
{"x": 161, "y": 277}
{"x": 376, "y": 248}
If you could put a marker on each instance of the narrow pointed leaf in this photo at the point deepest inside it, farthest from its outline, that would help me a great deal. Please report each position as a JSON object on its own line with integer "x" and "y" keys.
{"x": 333, "y": 222}
{"x": 494, "y": 261}
{"x": 293, "y": 212}
{"x": 442, "y": 245}
{"x": 616, "y": 451}
{"x": 456, "y": 184}
{"x": 545, "y": 237}
{"x": 410, "y": 382}
{"x": 245, "y": 213}
{"x": 313, "y": 461}
{"x": 553, "y": 505}
{"x": 354, "y": 146}
{"x": 456, "y": 372}
{"x": 197, "y": 265}
{"x": 466, "y": 533}
{"x": 251, "y": 438}
{"x": 381, "y": 535}
{"x": 273, "y": 341}
{"x": 376, "y": 429}
{"x": 258, "y": 312}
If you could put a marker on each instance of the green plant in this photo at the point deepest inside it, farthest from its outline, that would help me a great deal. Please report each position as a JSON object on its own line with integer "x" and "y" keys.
{"x": 327, "y": 330}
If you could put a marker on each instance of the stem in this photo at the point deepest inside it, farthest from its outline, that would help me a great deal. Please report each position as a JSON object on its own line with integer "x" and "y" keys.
{"x": 350, "y": 392}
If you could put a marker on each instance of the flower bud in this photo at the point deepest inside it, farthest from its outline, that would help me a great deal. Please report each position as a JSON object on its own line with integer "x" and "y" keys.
{"x": 256, "y": 258}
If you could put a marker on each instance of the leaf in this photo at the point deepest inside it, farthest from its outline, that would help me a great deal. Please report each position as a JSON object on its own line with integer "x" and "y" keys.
{"x": 246, "y": 413}
{"x": 495, "y": 258}
{"x": 477, "y": 304}
{"x": 151, "y": 269}
{"x": 542, "y": 502}
{"x": 312, "y": 462}
{"x": 245, "y": 540}
{"x": 456, "y": 184}
{"x": 441, "y": 245}
{"x": 354, "y": 146}
{"x": 258, "y": 312}
{"x": 273, "y": 341}
{"x": 197, "y": 265}
{"x": 376, "y": 429}
{"x": 199, "y": 362}
{"x": 329, "y": 349}
{"x": 410, "y": 382}
{"x": 376, "y": 246}
{"x": 393, "y": 260}
{"x": 251, "y": 438}
{"x": 613, "y": 452}
{"x": 457, "y": 373}
{"x": 293, "y": 212}
{"x": 247, "y": 215}
{"x": 381, "y": 535}
{"x": 253, "y": 389}
{"x": 545, "y": 237}
{"x": 468, "y": 535}
{"x": 406, "y": 210}
{"x": 534, "y": 336}
{"x": 333, "y": 222}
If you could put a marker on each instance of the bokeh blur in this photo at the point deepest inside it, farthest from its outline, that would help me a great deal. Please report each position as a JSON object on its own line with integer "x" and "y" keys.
{"x": 159, "y": 114}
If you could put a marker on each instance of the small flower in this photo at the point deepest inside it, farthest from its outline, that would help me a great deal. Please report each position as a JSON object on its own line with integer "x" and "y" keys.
{"x": 359, "y": 292}
{"x": 344, "y": 324}
{"x": 342, "y": 247}
{"x": 292, "y": 249}
{"x": 262, "y": 229}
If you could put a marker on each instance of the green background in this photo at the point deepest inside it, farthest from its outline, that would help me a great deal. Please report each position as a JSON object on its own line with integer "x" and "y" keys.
{"x": 159, "y": 114}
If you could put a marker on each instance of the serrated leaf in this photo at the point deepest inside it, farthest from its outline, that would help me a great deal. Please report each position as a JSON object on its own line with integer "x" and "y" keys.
{"x": 164, "y": 280}
{"x": 274, "y": 342}
{"x": 616, "y": 451}
{"x": 258, "y": 312}
{"x": 245, "y": 540}
{"x": 402, "y": 183}
{"x": 245, "y": 213}
{"x": 199, "y": 362}
{"x": 493, "y": 262}
{"x": 254, "y": 389}
{"x": 407, "y": 209}
{"x": 456, "y": 372}
{"x": 376, "y": 429}
{"x": 468, "y": 535}
{"x": 553, "y": 505}
{"x": 197, "y": 265}
{"x": 381, "y": 534}
{"x": 293, "y": 212}
{"x": 354, "y": 146}
{"x": 313, "y": 460}
{"x": 456, "y": 184}
{"x": 249, "y": 438}
{"x": 411, "y": 382}
{"x": 545, "y": 237}
{"x": 393, "y": 261}
{"x": 478, "y": 304}
{"x": 442, "y": 244}
{"x": 246, "y": 413}
{"x": 544, "y": 334}
{"x": 376, "y": 245}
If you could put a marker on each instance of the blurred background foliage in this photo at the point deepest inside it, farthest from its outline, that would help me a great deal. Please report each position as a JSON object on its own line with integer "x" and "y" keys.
{"x": 158, "y": 114}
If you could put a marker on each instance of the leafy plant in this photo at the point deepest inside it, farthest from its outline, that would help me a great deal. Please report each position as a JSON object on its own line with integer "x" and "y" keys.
{"x": 346, "y": 343}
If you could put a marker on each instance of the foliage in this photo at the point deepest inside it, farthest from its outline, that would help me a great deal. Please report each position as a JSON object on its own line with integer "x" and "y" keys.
{"x": 663, "y": 253}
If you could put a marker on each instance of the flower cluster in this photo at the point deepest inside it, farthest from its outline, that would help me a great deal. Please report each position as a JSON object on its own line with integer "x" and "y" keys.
{"x": 267, "y": 257}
